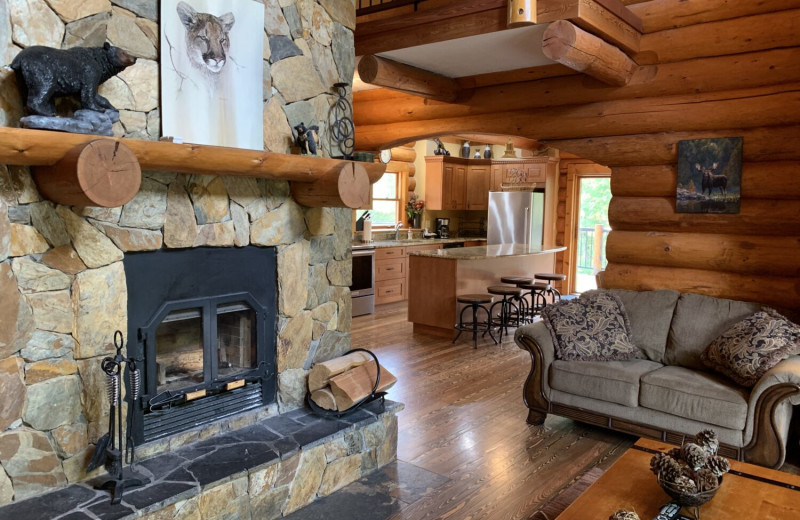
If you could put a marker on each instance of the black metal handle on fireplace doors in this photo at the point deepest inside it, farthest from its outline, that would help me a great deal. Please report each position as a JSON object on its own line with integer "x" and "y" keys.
{"x": 371, "y": 397}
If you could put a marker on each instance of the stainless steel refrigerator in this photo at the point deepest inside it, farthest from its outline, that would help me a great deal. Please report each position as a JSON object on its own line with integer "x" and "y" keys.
{"x": 515, "y": 217}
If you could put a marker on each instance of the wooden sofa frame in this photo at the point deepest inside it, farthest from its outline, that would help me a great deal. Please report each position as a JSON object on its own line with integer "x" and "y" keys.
{"x": 765, "y": 448}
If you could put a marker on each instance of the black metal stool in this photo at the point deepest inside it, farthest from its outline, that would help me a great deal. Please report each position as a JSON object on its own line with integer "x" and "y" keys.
{"x": 521, "y": 302}
{"x": 536, "y": 294}
{"x": 509, "y": 311}
{"x": 550, "y": 278}
{"x": 475, "y": 302}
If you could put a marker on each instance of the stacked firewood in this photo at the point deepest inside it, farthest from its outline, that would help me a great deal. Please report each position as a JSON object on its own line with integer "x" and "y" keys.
{"x": 341, "y": 382}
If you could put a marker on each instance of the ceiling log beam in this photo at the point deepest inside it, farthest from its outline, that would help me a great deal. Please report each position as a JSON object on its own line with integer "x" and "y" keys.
{"x": 405, "y": 78}
{"x": 593, "y": 16}
{"x": 577, "y": 49}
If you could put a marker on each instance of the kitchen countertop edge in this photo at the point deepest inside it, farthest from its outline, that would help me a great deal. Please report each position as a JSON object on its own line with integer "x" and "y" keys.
{"x": 379, "y": 244}
{"x": 485, "y": 252}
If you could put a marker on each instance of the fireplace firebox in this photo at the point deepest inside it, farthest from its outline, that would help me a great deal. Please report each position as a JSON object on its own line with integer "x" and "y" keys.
{"x": 203, "y": 322}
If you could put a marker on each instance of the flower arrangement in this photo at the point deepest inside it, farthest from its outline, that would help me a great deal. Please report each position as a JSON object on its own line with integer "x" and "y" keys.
{"x": 414, "y": 207}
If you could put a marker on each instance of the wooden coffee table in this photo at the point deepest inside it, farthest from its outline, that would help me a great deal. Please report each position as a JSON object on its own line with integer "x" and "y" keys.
{"x": 748, "y": 491}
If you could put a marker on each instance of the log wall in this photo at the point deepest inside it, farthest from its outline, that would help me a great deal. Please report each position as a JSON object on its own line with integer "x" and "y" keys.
{"x": 695, "y": 80}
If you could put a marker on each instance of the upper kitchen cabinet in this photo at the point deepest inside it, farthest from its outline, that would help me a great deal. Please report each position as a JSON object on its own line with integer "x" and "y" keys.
{"x": 445, "y": 182}
{"x": 478, "y": 185}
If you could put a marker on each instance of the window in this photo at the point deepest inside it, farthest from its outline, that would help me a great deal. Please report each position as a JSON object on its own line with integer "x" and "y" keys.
{"x": 385, "y": 201}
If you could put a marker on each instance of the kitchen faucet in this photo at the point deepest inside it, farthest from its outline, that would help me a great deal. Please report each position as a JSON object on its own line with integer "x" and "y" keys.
{"x": 397, "y": 230}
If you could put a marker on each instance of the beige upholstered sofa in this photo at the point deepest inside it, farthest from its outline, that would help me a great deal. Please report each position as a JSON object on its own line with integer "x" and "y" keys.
{"x": 667, "y": 393}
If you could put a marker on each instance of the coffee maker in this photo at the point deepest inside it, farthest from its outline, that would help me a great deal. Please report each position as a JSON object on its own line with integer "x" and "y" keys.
{"x": 443, "y": 227}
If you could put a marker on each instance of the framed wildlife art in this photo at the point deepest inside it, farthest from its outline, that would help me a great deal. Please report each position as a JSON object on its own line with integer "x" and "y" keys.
{"x": 212, "y": 72}
{"x": 709, "y": 175}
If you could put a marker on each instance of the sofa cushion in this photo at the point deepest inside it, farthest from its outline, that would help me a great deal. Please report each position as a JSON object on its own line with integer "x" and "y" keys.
{"x": 592, "y": 328}
{"x": 697, "y": 321}
{"x": 752, "y": 346}
{"x": 613, "y": 381}
{"x": 701, "y": 396}
{"x": 650, "y": 313}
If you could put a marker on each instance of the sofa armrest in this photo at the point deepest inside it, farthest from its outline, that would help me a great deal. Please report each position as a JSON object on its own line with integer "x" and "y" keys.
{"x": 536, "y": 339}
{"x": 769, "y": 413}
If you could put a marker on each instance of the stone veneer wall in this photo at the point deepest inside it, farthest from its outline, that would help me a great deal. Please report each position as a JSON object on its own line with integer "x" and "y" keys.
{"x": 62, "y": 284}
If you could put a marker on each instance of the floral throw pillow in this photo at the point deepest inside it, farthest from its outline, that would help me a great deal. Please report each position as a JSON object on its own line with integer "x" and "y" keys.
{"x": 748, "y": 349}
{"x": 591, "y": 328}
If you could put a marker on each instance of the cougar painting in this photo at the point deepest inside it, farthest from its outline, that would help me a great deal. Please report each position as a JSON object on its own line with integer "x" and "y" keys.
{"x": 207, "y": 40}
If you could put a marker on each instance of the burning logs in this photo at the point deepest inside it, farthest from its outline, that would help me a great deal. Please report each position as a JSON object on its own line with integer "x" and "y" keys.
{"x": 340, "y": 383}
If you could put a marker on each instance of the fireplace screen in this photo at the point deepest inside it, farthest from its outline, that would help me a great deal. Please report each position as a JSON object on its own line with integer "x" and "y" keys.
{"x": 204, "y": 323}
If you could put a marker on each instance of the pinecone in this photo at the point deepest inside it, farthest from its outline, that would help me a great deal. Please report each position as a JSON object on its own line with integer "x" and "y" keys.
{"x": 675, "y": 453}
{"x": 665, "y": 467}
{"x": 694, "y": 455}
{"x": 622, "y": 514}
{"x": 707, "y": 439}
{"x": 718, "y": 465}
{"x": 684, "y": 485}
{"x": 706, "y": 480}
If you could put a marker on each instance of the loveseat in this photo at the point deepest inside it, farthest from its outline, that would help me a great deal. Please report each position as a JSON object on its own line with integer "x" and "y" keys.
{"x": 667, "y": 392}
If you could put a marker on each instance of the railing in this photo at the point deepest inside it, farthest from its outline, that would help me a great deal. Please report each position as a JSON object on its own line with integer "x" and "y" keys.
{"x": 591, "y": 251}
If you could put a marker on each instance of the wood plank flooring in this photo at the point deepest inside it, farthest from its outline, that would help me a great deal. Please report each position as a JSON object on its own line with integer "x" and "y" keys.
{"x": 465, "y": 420}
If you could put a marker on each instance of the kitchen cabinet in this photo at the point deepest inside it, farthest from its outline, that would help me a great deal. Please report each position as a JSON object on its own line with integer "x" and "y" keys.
{"x": 456, "y": 184}
{"x": 391, "y": 272}
{"x": 477, "y": 187}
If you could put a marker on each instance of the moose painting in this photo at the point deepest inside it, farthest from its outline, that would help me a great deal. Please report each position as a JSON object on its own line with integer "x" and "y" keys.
{"x": 709, "y": 175}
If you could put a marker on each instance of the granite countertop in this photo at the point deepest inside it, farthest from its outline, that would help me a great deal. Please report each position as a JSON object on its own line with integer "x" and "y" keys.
{"x": 415, "y": 242}
{"x": 485, "y": 252}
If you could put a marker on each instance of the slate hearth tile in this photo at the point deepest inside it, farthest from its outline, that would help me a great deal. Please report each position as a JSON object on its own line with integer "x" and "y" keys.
{"x": 162, "y": 464}
{"x": 314, "y": 433}
{"x": 57, "y": 503}
{"x": 301, "y": 415}
{"x": 141, "y": 498}
{"x": 76, "y": 515}
{"x": 230, "y": 460}
{"x": 406, "y": 482}
{"x": 286, "y": 446}
{"x": 359, "y": 416}
{"x": 105, "y": 510}
{"x": 282, "y": 425}
{"x": 180, "y": 475}
{"x": 257, "y": 433}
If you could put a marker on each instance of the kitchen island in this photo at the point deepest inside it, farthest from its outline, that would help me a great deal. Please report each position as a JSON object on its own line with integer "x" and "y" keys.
{"x": 436, "y": 277}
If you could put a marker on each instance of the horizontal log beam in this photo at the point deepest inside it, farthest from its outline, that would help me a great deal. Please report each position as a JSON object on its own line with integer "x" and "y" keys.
{"x": 407, "y": 79}
{"x": 778, "y": 143}
{"x": 659, "y": 15}
{"x": 427, "y": 12}
{"x": 402, "y": 167}
{"x": 403, "y": 154}
{"x": 701, "y": 75}
{"x": 564, "y": 43}
{"x": 592, "y": 16}
{"x": 764, "y": 106}
{"x": 515, "y": 76}
{"x": 442, "y": 30}
{"x": 777, "y": 291}
{"x": 347, "y": 188}
{"x": 755, "y": 217}
{"x": 753, "y": 33}
{"x": 45, "y": 148}
{"x": 753, "y": 254}
{"x": 766, "y": 180}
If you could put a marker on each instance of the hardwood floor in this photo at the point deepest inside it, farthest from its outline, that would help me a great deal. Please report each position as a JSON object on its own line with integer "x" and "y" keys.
{"x": 465, "y": 420}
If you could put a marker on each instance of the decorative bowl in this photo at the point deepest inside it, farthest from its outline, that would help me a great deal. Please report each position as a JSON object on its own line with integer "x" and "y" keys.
{"x": 689, "y": 500}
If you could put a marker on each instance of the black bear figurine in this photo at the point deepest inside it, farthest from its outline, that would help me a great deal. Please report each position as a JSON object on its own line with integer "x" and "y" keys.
{"x": 307, "y": 138}
{"x": 44, "y": 73}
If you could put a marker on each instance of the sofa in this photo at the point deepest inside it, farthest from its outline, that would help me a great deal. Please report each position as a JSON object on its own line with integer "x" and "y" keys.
{"x": 667, "y": 392}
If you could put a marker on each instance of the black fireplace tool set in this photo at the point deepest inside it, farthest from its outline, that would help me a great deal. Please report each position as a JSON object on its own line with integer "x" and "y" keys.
{"x": 109, "y": 450}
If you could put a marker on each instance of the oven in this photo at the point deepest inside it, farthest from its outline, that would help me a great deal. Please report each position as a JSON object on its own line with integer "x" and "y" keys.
{"x": 363, "y": 289}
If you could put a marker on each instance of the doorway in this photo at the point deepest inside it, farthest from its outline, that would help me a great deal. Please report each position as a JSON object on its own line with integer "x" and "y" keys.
{"x": 586, "y": 224}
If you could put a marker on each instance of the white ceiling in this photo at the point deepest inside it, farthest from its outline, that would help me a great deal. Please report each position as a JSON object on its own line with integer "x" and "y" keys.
{"x": 493, "y": 52}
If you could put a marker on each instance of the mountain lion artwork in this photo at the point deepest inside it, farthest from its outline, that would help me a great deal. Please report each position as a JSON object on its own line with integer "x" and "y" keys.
{"x": 211, "y": 72}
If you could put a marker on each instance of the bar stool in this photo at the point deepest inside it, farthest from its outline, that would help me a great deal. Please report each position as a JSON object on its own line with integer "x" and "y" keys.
{"x": 550, "y": 278}
{"x": 509, "y": 311}
{"x": 519, "y": 300}
{"x": 536, "y": 294}
{"x": 475, "y": 302}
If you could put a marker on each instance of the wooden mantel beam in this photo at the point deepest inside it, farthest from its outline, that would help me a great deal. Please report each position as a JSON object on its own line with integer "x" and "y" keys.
{"x": 405, "y": 78}
{"x": 608, "y": 19}
{"x": 45, "y": 148}
{"x": 564, "y": 43}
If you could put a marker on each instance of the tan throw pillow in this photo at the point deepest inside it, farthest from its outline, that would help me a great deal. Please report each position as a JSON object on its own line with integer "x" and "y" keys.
{"x": 749, "y": 348}
{"x": 592, "y": 328}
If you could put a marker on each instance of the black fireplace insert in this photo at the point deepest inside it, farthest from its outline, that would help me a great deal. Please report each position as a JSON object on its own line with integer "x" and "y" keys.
{"x": 203, "y": 322}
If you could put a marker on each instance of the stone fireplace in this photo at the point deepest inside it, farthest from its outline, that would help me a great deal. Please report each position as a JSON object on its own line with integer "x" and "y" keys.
{"x": 64, "y": 287}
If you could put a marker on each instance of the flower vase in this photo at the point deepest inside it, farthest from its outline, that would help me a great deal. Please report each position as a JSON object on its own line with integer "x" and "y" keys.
{"x": 417, "y": 224}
